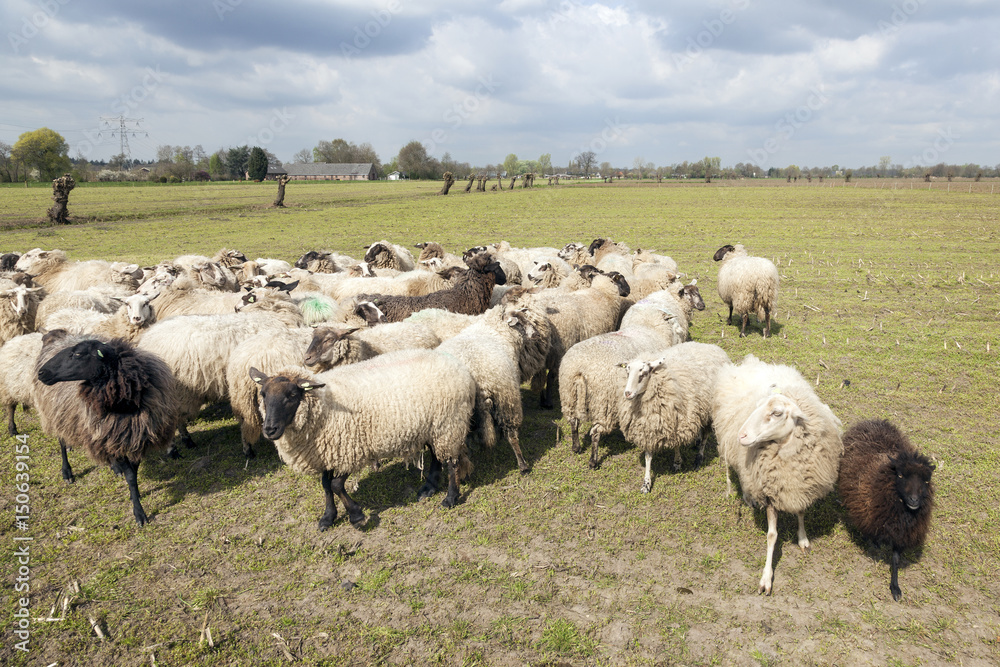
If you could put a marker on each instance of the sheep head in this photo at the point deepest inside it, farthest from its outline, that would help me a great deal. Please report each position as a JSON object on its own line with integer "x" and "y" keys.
{"x": 8, "y": 261}
{"x": 138, "y": 312}
{"x": 722, "y": 252}
{"x": 639, "y": 371}
{"x": 280, "y": 397}
{"x": 595, "y": 245}
{"x": 912, "y": 475}
{"x": 370, "y": 312}
{"x": 86, "y": 361}
{"x": 692, "y": 295}
{"x": 379, "y": 254}
{"x": 304, "y": 261}
{"x": 620, "y": 282}
{"x": 36, "y": 258}
{"x": 537, "y": 274}
{"x": 326, "y": 348}
{"x": 774, "y": 420}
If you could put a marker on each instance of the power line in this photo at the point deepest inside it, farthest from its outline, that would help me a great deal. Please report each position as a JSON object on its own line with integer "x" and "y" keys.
{"x": 123, "y": 133}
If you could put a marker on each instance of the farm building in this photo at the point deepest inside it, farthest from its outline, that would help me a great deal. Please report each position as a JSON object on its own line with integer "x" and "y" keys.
{"x": 325, "y": 171}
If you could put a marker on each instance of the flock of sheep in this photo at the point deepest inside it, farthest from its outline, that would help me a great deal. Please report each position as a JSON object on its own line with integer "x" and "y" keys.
{"x": 344, "y": 364}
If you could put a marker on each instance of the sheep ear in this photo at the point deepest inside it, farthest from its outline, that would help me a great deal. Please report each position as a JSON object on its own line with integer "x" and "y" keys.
{"x": 288, "y": 287}
{"x": 308, "y": 385}
{"x": 257, "y": 376}
{"x": 656, "y": 363}
{"x": 694, "y": 282}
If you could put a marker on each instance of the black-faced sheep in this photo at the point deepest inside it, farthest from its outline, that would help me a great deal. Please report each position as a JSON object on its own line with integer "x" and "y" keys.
{"x": 885, "y": 485}
{"x": 8, "y": 261}
{"x": 385, "y": 255}
{"x": 338, "y": 422}
{"x": 783, "y": 442}
{"x": 470, "y": 295}
{"x": 114, "y": 401}
{"x": 747, "y": 285}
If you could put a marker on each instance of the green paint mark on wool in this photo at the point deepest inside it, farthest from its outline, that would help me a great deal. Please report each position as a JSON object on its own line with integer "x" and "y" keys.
{"x": 315, "y": 309}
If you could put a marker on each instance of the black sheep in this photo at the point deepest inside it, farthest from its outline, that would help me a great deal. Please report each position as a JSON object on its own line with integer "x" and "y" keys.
{"x": 114, "y": 401}
{"x": 470, "y": 295}
{"x": 885, "y": 484}
{"x": 8, "y": 260}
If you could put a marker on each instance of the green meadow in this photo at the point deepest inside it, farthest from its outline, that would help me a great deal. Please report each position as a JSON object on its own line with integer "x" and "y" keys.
{"x": 889, "y": 304}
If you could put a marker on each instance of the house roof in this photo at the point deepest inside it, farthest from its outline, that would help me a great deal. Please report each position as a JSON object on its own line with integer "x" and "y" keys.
{"x": 329, "y": 169}
{"x": 275, "y": 170}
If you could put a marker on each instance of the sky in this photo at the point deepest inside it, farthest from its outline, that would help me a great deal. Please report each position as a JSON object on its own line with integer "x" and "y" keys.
{"x": 774, "y": 83}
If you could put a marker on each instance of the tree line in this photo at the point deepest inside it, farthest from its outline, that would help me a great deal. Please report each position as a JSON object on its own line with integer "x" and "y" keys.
{"x": 43, "y": 154}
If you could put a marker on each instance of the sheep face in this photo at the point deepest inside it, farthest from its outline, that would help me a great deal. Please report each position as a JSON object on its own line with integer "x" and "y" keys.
{"x": 537, "y": 274}
{"x": 280, "y": 398}
{"x": 378, "y": 254}
{"x": 326, "y": 349}
{"x": 370, "y": 312}
{"x": 913, "y": 479}
{"x": 639, "y": 371}
{"x": 691, "y": 293}
{"x": 85, "y": 361}
{"x": 722, "y": 252}
{"x": 8, "y": 261}
{"x": 774, "y": 420}
{"x": 619, "y": 281}
{"x": 17, "y": 298}
{"x": 594, "y": 245}
{"x": 303, "y": 262}
{"x": 570, "y": 251}
{"x": 30, "y": 261}
{"x": 137, "y": 308}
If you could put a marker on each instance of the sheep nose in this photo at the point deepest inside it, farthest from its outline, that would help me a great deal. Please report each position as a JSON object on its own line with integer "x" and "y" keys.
{"x": 913, "y": 502}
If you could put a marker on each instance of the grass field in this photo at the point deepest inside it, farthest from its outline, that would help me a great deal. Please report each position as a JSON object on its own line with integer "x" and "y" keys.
{"x": 891, "y": 289}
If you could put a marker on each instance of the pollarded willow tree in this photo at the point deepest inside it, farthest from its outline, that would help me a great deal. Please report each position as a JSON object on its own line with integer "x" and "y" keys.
{"x": 59, "y": 213}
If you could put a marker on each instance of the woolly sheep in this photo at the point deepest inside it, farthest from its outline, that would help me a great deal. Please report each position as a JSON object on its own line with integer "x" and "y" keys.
{"x": 336, "y": 423}
{"x": 575, "y": 254}
{"x": 412, "y": 283}
{"x": 645, "y": 259}
{"x": 114, "y": 401}
{"x": 385, "y": 255}
{"x": 197, "y": 348}
{"x": 18, "y": 310}
{"x": 17, "y": 359}
{"x": 470, "y": 295}
{"x": 592, "y": 373}
{"x": 885, "y": 485}
{"x": 8, "y": 261}
{"x": 490, "y": 349}
{"x": 783, "y": 442}
{"x": 129, "y": 321}
{"x": 574, "y": 316}
{"x": 87, "y": 299}
{"x": 324, "y": 261}
{"x": 431, "y": 250}
{"x": 51, "y": 270}
{"x": 747, "y": 285}
{"x": 667, "y": 401}
{"x": 334, "y": 346}
{"x": 198, "y": 271}
{"x": 549, "y": 271}
{"x": 443, "y": 323}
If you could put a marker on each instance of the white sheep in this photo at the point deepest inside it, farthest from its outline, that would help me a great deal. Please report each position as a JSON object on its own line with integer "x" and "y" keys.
{"x": 382, "y": 255}
{"x": 490, "y": 349}
{"x": 197, "y": 348}
{"x": 644, "y": 259}
{"x": 18, "y": 310}
{"x": 574, "y": 316}
{"x": 50, "y": 269}
{"x": 549, "y": 271}
{"x": 747, "y": 285}
{"x": 89, "y": 299}
{"x": 338, "y": 422}
{"x": 783, "y": 442}
{"x": 431, "y": 251}
{"x": 667, "y": 400}
{"x": 130, "y": 321}
{"x": 17, "y": 359}
{"x": 443, "y": 323}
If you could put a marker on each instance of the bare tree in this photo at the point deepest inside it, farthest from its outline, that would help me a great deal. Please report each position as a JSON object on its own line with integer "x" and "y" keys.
{"x": 449, "y": 180}
{"x": 59, "y": 213}
{"x": 586, "y": 160}
{"x": 282, "y": 182}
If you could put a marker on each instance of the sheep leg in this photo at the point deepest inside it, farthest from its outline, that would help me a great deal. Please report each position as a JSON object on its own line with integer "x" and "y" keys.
{"x": 677, "y": 459}
{"x": 182, "y": 430}
{"x": 743, "y": 329}
{"x": 699, "y": 460}
{"x": 451, "y": 498}
{"x": 11, "y": 426}
{"x": 729, "y": 320}
{"x": 772, "y": 539}
{"x": 897, "y": 594}
{"x": 767, "y": 320}
{"x": 595, "y": 440}
{"x": 330, "y": 511}
{"x": 647, "y": 483}
{"x": 129, "y": 470}
{"x": 515, "y": 444}
{"x": 803, "y": 540}
{"x": 433, "y": 478}
{"x": 545, "y": 398}
{"x": 574, "y": 431}
{"x": 67, "y": 472}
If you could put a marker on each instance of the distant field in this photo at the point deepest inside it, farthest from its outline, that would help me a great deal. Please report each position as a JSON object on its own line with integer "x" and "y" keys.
{"x": 889, "y": 304}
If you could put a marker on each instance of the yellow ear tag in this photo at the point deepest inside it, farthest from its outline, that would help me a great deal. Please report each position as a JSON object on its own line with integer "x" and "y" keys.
{"x": 774, "y": 389}
{"x": 100, "y": 354}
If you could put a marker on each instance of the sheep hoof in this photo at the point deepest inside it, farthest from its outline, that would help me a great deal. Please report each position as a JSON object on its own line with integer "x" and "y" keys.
{"x": 764, "y": 588}
{"x": 743, "y": 334}
{"x": 594, "y": 465}
{"x": 188, "y": 442}
{"x": 646, "y": 487}
{"x": 249, "y": 453}
{"x": 358, "y": 519}
{"x": 677, "y": 467}
{"x": 897, "y": 594}
{"x": 173, "y": 453}
{"x": 525, "y": 470}
{"x": 326, "y": 521}
{"x": 141, "y": 518}
{"x": 426, "y": 491}
{"x": 69, "y": 478}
